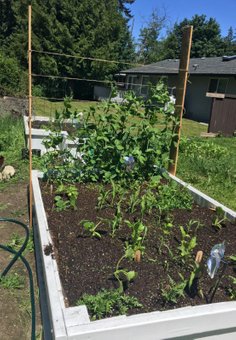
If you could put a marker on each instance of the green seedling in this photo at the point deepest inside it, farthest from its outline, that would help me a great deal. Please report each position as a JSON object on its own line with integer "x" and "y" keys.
{"x": 91, "y": 228}
{"x": 116, "y": 222}
{"x": 103, "y": 197}
{"x": 220, "y": 218}
{"x": 233, "y": 258}
{"x": 134, "y": 200}
{"x": 187, "y": 244}
{"x": 124, "y": 276}
{"x": 61, "y": 204}
{"x": 139, "y": 231}
{"x": 107, "y": 303}
{"x": 67, "y": 197}
{"x": 174, "y": 290}
{"x": 232, "y": 289}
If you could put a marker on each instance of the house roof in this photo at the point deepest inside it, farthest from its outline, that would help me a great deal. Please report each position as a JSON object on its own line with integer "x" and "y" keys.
{"x": 212, "y": 65}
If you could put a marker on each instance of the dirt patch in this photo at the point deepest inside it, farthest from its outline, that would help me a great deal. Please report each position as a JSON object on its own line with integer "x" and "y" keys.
{"x": 15, "y": 311}
{"x": 13, "y": 105}
{"x": 87, "y": 263}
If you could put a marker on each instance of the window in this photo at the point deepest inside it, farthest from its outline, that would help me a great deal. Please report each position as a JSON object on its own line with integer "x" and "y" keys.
{"x": 131, "y": 81}
{"x": 218, "y": 85}
{"x": 145, "y": 83}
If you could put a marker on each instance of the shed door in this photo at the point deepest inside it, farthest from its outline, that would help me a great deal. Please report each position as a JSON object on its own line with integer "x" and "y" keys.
{"x": 223, "y": 117}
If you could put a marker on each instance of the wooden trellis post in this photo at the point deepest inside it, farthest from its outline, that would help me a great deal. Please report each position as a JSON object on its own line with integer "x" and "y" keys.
{"x": 180, "y": 95}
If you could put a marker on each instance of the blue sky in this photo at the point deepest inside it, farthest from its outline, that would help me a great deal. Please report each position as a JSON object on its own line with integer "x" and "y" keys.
{"x": 223, "y": 11}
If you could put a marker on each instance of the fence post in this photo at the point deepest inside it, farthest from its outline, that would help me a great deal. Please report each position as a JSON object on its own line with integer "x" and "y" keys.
{"x": 180, "y": 96}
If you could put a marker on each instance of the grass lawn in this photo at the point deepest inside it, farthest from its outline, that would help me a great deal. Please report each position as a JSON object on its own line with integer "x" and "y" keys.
{"x": 210, "y": 165}
{"x": 43, "y": 107}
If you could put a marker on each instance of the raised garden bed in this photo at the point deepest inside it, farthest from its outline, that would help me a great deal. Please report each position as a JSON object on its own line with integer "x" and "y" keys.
{"x": 86, "y": 264}
{"x": 41, "y": 130}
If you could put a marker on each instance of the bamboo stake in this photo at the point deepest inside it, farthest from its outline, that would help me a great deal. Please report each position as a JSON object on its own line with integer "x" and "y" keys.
{"x": 180, "y": 95}
{"x": 30, "y": 116}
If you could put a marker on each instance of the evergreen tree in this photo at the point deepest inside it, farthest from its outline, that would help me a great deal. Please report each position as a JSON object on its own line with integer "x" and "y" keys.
{"x": 150, "y": 46}
{"x": 124, "y": 9}
{"x": 90, "y": 28}
{"x": 206, "y": 42}
{"x": 230, "y": 42}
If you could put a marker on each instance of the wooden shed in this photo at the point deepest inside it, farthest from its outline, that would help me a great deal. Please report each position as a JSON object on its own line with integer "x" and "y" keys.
{"x": 223, "y": 114}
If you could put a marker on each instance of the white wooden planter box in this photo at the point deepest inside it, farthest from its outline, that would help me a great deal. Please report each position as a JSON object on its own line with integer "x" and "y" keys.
{"x": 39, "y": 134}
{"x": 213, "y": 321}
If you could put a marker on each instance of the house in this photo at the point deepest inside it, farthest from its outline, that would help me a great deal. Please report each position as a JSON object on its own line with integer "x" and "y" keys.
{"x": 214, "y": 75}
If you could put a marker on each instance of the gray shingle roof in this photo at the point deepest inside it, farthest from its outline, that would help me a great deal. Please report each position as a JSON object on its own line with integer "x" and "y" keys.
{"x": 212, "y": 65}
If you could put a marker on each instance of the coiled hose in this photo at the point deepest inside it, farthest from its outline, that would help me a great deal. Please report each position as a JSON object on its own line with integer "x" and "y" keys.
{"x": 18, "y": 255}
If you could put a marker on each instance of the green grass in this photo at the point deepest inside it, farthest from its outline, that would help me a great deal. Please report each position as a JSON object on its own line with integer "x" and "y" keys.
{"x": 44, "y": 107}
{"x": 211, "y": 168}
{"x": 11, "y": 143}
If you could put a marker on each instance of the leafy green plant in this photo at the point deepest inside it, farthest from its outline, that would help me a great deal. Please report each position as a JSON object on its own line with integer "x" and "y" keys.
{"x": 219, "y": 219}
{"x": 67, "y": 197}
{"x": 134, "y": 199}
{"x": 60, "y": 203}
{"x": 148, "y": 201}
{"x": 139, "y": 231}
{"x": 91, "y": 228}
{"x": 172, "y": 196}
{"x": 107, "y": 303}
{"x": 174, "y": 290}
{"x": 232, "y": 289}
{"x": 12, "y": 281}
{"x": 103, "y": 197}
{"x": 127, "y": 130}
{"x": 116, "y": 222}
{"x": 124, "y": 276}
{"x": 187, "y": 244}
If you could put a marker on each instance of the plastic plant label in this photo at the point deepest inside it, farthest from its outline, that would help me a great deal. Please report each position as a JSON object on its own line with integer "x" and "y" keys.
{"x": 216, "y": 256}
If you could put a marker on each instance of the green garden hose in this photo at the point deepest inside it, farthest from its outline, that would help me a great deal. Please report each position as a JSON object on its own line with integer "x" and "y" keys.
{"x": 18, "y": 255}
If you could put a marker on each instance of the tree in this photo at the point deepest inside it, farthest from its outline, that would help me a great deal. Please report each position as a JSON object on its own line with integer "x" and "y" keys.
{"x": 230, "y": 42}
{"x": 206, "y": 42}
{"x": 90, "y": 28}
{"x": 150, "y": 46}
{"x": 124, "y": 9}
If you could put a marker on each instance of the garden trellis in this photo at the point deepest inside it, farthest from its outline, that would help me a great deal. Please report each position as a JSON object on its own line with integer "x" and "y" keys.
{"x": 181, "y": 89}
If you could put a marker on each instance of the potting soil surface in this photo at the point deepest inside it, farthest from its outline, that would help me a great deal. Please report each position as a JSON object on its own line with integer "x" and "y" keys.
{"x": 86, "y": 264}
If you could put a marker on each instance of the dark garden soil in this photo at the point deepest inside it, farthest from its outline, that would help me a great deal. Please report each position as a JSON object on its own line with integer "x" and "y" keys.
{"x": 86, "y": 263}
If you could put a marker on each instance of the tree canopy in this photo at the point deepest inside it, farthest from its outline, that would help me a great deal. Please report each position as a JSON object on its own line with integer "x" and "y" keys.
{"x": 207, "y": 40}
{"x": 90, "y": 28}
{"x": 150, "y": 45}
